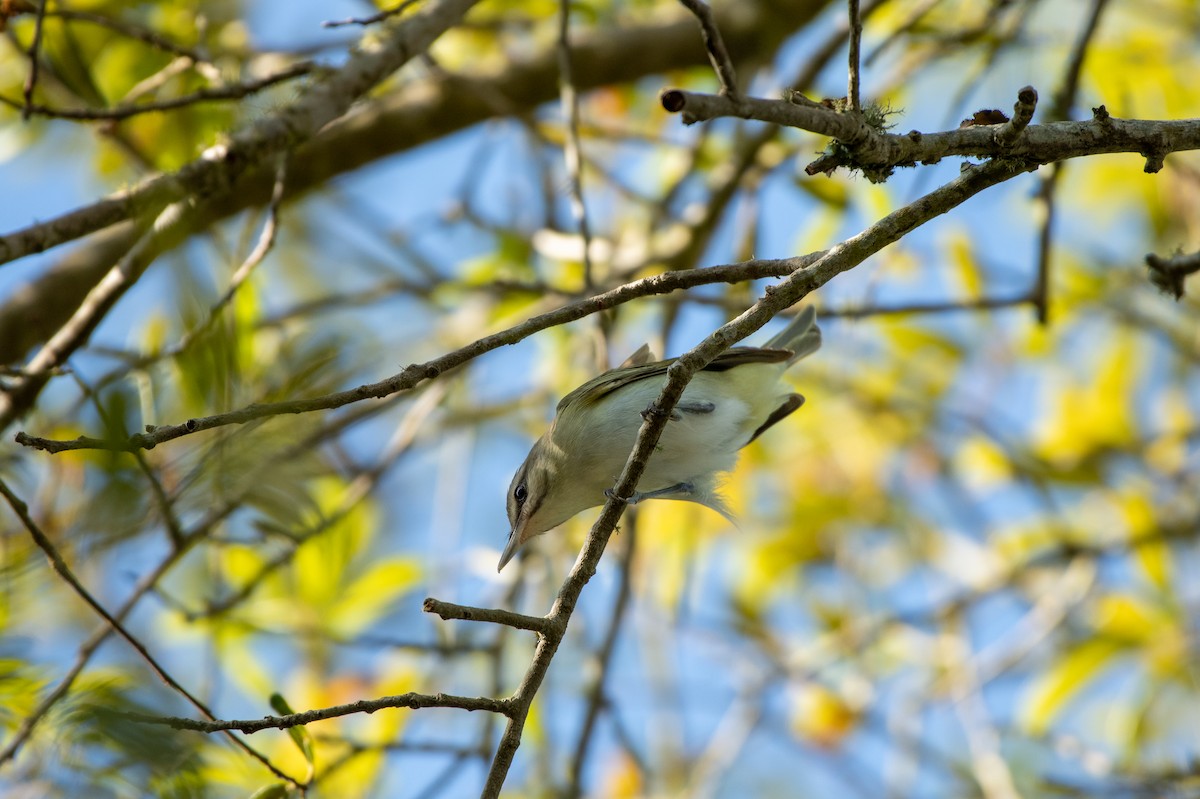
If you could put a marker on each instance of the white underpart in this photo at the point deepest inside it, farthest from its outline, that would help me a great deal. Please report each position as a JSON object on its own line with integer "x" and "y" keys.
{"x": 694, "y": 447}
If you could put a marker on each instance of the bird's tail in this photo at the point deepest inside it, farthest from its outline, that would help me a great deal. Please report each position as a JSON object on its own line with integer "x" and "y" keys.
{"x": 802, "y": 336}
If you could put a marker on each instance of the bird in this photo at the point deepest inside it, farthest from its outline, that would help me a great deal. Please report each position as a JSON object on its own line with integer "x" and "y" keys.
{"x": 729, "y": 403}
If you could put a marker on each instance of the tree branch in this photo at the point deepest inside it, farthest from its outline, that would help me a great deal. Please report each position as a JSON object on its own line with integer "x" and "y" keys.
{"x": 788, "y": 292}
{"x": 234, "y": 91}
{"x": 250, "y": 726}
{"x": 35, "y": 61}
{"x": 1039, "y": 144}
{"x": 855, "y": 27}
{"x": 714, "y": 45}
{"x": 60, "y": 567}
{"x": 413, "y": 115}
{"x": 519, "y": 621}
{"x": 1168, "y": 273}
{"x": 220, "y": 167}
{"x": 417, "y": 373}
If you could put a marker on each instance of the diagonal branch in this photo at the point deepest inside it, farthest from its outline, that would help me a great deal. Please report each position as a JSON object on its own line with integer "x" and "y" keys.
{"x": 216, "y": 171}
{"x": 20, "y": 397}
{"x": 788, "y": 292}
{"x": 233, "y": 91}
{"x": 60, "y": 567}
{"x": 417, "y": 373}
{"x": 414, "y": 114}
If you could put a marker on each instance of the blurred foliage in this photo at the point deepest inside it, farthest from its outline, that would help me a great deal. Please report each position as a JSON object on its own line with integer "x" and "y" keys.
{"x": 969, "y": 555}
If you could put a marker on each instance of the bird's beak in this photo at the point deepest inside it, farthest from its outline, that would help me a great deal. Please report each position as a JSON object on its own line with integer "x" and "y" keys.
{"x": 510, "y": 549}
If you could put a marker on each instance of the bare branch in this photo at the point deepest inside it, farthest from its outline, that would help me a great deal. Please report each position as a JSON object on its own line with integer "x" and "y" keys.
{"x": 718, "y": 55}
{"x": 791, "y": 290}
{"x": 1043, "y": 144}
{"x": 233, "y": 91}
{"x": 371, "y": 20}
{"x": 855, "y": 29}
{"x": 572, "y": 154}
{"x": 219, "y": 168}
{"x": 411, "y": 701}
{"x": 1023, "y": 110}
{"x": 63, "y": 570}
{"x": 417, "y": 373}
{"x": 1168, "y": 273}
{"x": 519, "y": 621}
{"x": 35, "y": 61}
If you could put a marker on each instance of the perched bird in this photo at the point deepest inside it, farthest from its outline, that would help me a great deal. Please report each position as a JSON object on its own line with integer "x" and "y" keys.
{"x": 727, "y": 405}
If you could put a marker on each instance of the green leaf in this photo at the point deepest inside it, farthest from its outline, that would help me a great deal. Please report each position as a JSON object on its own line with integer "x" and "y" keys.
{"x": 298, "y": 734}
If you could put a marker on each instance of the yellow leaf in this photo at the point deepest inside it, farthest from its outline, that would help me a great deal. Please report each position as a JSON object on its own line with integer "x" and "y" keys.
{"x": 366, "y": 598}
{"x": 1122, "y": 617}
{"x": 1142, "y": 523}
{"x": 966, "y": 267}
{"x": 1065, "y": 678}
{"x": 622, "y": 779}
{"x": 820, "y": 716}
{"x": 241, "y": 563}
{"x": 981, "y": 463}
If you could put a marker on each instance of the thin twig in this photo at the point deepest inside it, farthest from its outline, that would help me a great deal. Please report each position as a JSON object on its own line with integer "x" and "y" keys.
{"x": 718, "y": 54}
{"x": 789, "y": 291}
{"x": 76, "y": 330}
{"x": 63, "y": 570}
{"x": 371, "y": 20}
{"x": 448, "y": 611}
{"x": 234, "y": 91}
{"x": 144, "y": 35}
{"x": 856, "y": 28}
{"x": 418, "y": 373}
{"x": 603, "y": 658}
{"x": 266, "y": 241}
{"x": 412, "y": 701}
{"x": 1168, "y": 273}
{"x": 214, "y": 172}
{"x": 572, "y": 151}
{"x": 1060, "y": 107}
{"x": 35, "y": 61}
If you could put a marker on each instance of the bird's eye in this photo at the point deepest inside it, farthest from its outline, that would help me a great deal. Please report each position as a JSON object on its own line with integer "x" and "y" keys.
{"x": 520, "y": 492}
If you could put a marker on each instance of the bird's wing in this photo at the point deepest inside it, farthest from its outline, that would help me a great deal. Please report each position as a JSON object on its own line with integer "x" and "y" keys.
{"x": 642, "y": 357}
{"x": 602, "y": 385}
